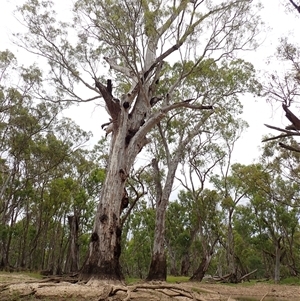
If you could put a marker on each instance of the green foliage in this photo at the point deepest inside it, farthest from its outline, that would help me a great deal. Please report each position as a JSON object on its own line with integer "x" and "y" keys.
{"x": 45, "y": 175}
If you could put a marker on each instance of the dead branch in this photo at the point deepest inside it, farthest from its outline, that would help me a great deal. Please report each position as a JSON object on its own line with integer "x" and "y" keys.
{"x": 291, "y": 117}
{"x": 112, "y": 106}
{"x": 222, "y": 278}
{"x": 113, "y": 65}
{"x": 288, "y": 147}
{"x": 110, "y": 290}
{"x": 291, "y": 130}
{"x": 295, "y": 6}
{"x": 276, "y": 137}
{"x": 4, "y": 287}
{"x": 282, "y": 130}
{"x": 264, "y": 296}
{"x": 246, "y": 275}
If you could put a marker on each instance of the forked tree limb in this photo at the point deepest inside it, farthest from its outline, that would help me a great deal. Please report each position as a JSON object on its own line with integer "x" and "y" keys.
{"x": 291, "y": 117}
{"x": 112, "y": 106}
{"x": 288, "y": 133}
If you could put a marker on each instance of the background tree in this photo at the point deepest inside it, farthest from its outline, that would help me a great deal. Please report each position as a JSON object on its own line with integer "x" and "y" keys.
{"x": 46, "y": 177}
{"x": 174, "y": 137}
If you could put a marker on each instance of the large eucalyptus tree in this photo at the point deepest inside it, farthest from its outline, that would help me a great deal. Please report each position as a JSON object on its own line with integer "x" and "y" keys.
{"x": 134, "y": 38}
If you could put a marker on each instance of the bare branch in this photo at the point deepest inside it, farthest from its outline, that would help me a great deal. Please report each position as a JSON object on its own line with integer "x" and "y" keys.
{"x": 288, "y": 147}
{"x": 282, "y": 130}
{"x": 276, "y": 137}
{"x": 113, "y": 107}
{"x": 296, "y": 6}
{"x": 292, "y": 118}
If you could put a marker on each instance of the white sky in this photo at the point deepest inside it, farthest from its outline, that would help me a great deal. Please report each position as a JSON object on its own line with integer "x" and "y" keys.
{"x": 256, "y": 111}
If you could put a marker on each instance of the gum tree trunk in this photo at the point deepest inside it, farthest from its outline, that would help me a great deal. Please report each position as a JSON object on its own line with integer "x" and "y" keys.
{"x": 158, "y": 266}
{"x": 128, "y": 137}
{"x": 105, "y": 242}
{"x": 277, "y": 260}
{"x": 208, "y": 252}
{"x": 72, "y": 263}
{"x": 203, "y": 267}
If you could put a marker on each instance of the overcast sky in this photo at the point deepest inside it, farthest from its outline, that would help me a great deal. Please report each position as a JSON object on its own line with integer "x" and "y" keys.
{"x": 256, "y": 111}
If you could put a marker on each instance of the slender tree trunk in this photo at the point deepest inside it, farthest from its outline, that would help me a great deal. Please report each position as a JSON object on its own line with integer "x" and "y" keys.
{"x": 202, "y": 269}
{"x": 3, "y": 261}
{"x": 173, "y": 267}
{"x": 9, "y": 239}
{"x": 158, "y": 266}
{"x": 72, "y": 264}
{"x": 24, "y": 248}
{"x": 230, "y": 251}
{"x": 208, "y": 251}
{"x": 185, "y": 265}
{"x": 60, "y": 248}
{"x": 277, "y": 261}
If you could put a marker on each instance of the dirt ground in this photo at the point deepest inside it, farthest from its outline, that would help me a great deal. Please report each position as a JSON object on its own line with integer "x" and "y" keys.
{"x": 15, "y": 286}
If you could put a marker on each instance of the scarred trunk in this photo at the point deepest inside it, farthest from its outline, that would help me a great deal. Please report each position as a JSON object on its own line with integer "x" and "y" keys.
{"x": 131, "y": 119}
{"x": 105, "y": 243}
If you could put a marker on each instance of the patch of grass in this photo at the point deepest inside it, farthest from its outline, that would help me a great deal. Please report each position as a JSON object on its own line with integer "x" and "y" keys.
{"x": 290, "y": 281}
{"x": 174, "y": 279}
{"x": 248, "y": 283}
{"x": 36, "y": 275}
{"x": 130, "y": 280}
{"x": 15, "y": 276}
